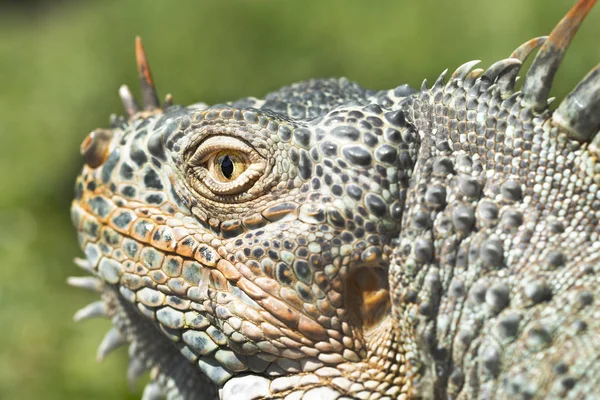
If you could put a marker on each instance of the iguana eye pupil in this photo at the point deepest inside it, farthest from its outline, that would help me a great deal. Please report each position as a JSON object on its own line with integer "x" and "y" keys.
{"x": 226, "y": 166}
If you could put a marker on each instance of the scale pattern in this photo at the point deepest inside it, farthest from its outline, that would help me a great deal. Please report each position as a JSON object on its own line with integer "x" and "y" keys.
{"x": 334, "y": 242}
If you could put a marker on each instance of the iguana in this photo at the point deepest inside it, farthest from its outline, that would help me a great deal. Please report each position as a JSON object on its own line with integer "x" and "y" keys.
{"x": 333, "y": 242}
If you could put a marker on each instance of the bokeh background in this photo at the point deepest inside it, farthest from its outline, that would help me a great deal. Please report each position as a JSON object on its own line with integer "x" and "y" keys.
{"x": 61, "y": 63}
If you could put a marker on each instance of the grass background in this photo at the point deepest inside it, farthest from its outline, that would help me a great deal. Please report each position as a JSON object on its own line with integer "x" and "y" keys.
{"x": 61, "y": 63}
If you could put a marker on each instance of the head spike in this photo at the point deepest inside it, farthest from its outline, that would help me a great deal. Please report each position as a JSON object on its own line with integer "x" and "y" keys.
{"x": 507, "y": 81}
{"x": 579, "y": 112}
{"x": 462, "y": 71}
{"x": 93, "y": 310}
{"x": 129, "y": 103}
{"x": 112, "y": 340}
{"x": 511, "y": 100}
{"x": 501, "y": 68}
{"x": 538, "y": 81}
{"x": 523, "y": 51}
{"x": 116, "y": 121}
{"x": 84, "y": 264}
{"x": 86, "y": 282}
{"x": 149, "y": 95}
{"x": 135, "y": 370}
{"x": 153, "y": 391}
{"x": 168, "y": 100}
{"x": 441, "y": 79}
{"x": 471, "y": 77}
{"x": 595, "y": 145}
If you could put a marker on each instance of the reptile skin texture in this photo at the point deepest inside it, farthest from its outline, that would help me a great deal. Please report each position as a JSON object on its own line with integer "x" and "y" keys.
{"x": 333, "y": 242}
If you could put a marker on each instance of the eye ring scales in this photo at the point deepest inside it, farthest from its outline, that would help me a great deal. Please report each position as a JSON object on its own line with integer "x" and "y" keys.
{"x": 225, "y": 166}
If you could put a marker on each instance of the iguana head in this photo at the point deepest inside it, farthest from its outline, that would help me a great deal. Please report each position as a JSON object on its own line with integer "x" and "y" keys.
{"x": 295, "y": 245}
{"x": 252, "y": 237}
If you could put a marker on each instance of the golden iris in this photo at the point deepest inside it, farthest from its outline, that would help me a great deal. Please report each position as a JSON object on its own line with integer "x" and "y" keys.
{"x": 227, "y": 166}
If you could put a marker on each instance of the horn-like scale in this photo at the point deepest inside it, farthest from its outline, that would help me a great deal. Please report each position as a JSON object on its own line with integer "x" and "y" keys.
{"x": 150, "y": 101}
{"x": 538, "y": 81}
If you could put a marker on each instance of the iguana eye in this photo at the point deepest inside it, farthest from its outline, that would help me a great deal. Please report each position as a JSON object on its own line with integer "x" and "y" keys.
{"x": 225, "y": 166}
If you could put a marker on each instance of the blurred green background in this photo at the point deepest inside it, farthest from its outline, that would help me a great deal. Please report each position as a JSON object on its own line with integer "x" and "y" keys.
{"x": 61, "y": 63}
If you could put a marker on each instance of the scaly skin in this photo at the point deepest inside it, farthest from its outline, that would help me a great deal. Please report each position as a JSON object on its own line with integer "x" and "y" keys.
{"x": 440, "y": 243}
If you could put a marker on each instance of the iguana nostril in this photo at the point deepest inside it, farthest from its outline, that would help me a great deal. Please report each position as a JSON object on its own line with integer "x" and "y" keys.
{"x": 94, "y": 147}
